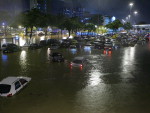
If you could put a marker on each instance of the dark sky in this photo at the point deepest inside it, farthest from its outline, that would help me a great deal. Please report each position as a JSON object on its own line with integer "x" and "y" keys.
{"x": 118, "y": 8}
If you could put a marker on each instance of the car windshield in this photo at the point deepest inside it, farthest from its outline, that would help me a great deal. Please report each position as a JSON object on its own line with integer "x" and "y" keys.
{"x": 77, "y": 61}
{"x": 4, "y": 88}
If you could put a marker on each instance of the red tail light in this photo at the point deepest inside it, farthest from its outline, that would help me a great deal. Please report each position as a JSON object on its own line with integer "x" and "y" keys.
{"x": 104, "y": 51}
{"x": 110, "y": 52}
{"x": 81, "y": 65}
{"x": 9, "y": 95}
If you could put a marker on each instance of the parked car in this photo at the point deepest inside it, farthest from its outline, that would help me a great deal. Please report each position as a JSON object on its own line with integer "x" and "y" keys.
{"x": 108, "y": 44}
{"x": 54, "y": 46}
{"x": 57, "y": 57}
{"x": 34, "y": 46}
{"x": 99, "y": 46}
{"x": 4, "y": 45}
{"x": 43, "y": 43}
{"x": 73, "y": 47}
{"x": 10, "y": 48}
{"x": 11, "y": 85}
{"x": 78, "y": 62}
{"x": 52, "y": 41}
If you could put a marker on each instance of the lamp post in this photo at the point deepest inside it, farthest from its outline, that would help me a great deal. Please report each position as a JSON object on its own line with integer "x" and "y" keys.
{"x": 131, "y": 6}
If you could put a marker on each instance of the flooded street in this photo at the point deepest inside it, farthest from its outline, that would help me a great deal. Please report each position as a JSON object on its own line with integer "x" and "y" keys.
{"x": 108, "y": 83}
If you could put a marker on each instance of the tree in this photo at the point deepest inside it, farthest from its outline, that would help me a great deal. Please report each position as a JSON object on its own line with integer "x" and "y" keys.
{"x": 90, "y": 27}
{"x": 32, "y": 18}
{"x": 101, "y": 30}
{"x": 71, "y": 24}
{"x": 97, "y": 20}
{"x": 127, "y": 26}
{"x": 114, "y": 25}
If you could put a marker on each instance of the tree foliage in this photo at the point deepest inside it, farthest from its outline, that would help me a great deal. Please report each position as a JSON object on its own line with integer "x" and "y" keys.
{"x": 71, "y": 24}
{"x": 127, "y": 26}
{"x": 114, "y": 25}
{"x": 90, "y": 27}
{"x": 97, "y": 19}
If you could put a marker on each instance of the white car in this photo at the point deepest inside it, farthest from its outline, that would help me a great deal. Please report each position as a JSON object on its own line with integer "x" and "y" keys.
{"x": 78, "y": 62}
{"x": 11, "y": 85}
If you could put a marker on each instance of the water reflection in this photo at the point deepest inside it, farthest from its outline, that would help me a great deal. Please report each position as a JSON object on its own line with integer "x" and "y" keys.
{"x": 128, "y": 59}
{"x": 48, "y": 53}
{"x": 94, "y": 78}
{"x": 23, "y": 59}
{"x": 73, "y": 51}
{"x": 87, "y": 49}
{"x": 4, "y": 57}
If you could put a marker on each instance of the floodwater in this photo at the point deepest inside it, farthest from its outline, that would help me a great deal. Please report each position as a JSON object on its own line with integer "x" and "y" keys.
{"x": 117, "y": 82}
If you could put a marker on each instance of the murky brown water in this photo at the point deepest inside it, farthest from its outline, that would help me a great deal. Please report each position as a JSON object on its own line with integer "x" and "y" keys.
{"x": 116, "y": 83}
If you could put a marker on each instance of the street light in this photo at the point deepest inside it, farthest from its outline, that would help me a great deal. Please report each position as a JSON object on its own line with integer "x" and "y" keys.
{"x": 131, "y": 5}
{"x": 135, "y": 12}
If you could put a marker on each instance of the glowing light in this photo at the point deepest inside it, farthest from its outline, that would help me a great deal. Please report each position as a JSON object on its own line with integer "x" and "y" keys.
{"x": 64, "y": 38}
{"x": 131, "y": 4}
{"x": 22, "y": 41}
{"x": 19, "y": 27}
{"x": 3, "y": 24}
{"x": 73, "y": 51}
{"x": 71, "y": 37}
{"x": 17, "y": 37}
{"x": 42, "y": 38}
{"x": 113, "y": 18}
{"x": 135, "y": 12}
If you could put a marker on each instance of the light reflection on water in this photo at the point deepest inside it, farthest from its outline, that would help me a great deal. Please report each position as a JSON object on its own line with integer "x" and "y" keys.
{"x": 128, "y": 59}
{"x": 73, "y": 51}
{"x": 4, "y": 58}
{"x": 94, "y": 78}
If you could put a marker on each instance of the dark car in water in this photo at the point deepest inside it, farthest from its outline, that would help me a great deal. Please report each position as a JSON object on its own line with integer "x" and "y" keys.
{"x": 57, "y": 57}
{"x": 10, "y": 48}
{"x": 43, "y": 43}
{"x": 34, "y": 46}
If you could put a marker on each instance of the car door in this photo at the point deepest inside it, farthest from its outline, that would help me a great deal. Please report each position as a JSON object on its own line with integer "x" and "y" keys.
{"x": 18, "y": 86}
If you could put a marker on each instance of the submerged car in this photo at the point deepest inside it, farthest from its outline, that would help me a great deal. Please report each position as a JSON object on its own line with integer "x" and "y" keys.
{"x": 78, "y": 62}
{"x": 11, "y": 85}
{"x": 57, "y": 57}
{"x": 34, "y": 46}
{"x": 10, "y": 48}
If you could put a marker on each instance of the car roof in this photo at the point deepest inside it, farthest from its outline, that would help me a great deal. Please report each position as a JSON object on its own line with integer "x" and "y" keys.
{"x": 9, "y": 80}
{"x": 78, "y": 58}
{"x": 56, "y": 53}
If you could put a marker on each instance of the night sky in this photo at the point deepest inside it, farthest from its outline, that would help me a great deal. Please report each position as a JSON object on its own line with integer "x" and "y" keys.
{"x": 118, "y": 8}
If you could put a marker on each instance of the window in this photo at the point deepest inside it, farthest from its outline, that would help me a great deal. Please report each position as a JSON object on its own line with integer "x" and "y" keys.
{"x": 17, "y": 85}
{"x": 77, "y": 61}
{"x": 4, "y": 88}
{"x": 23, "y": 81}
